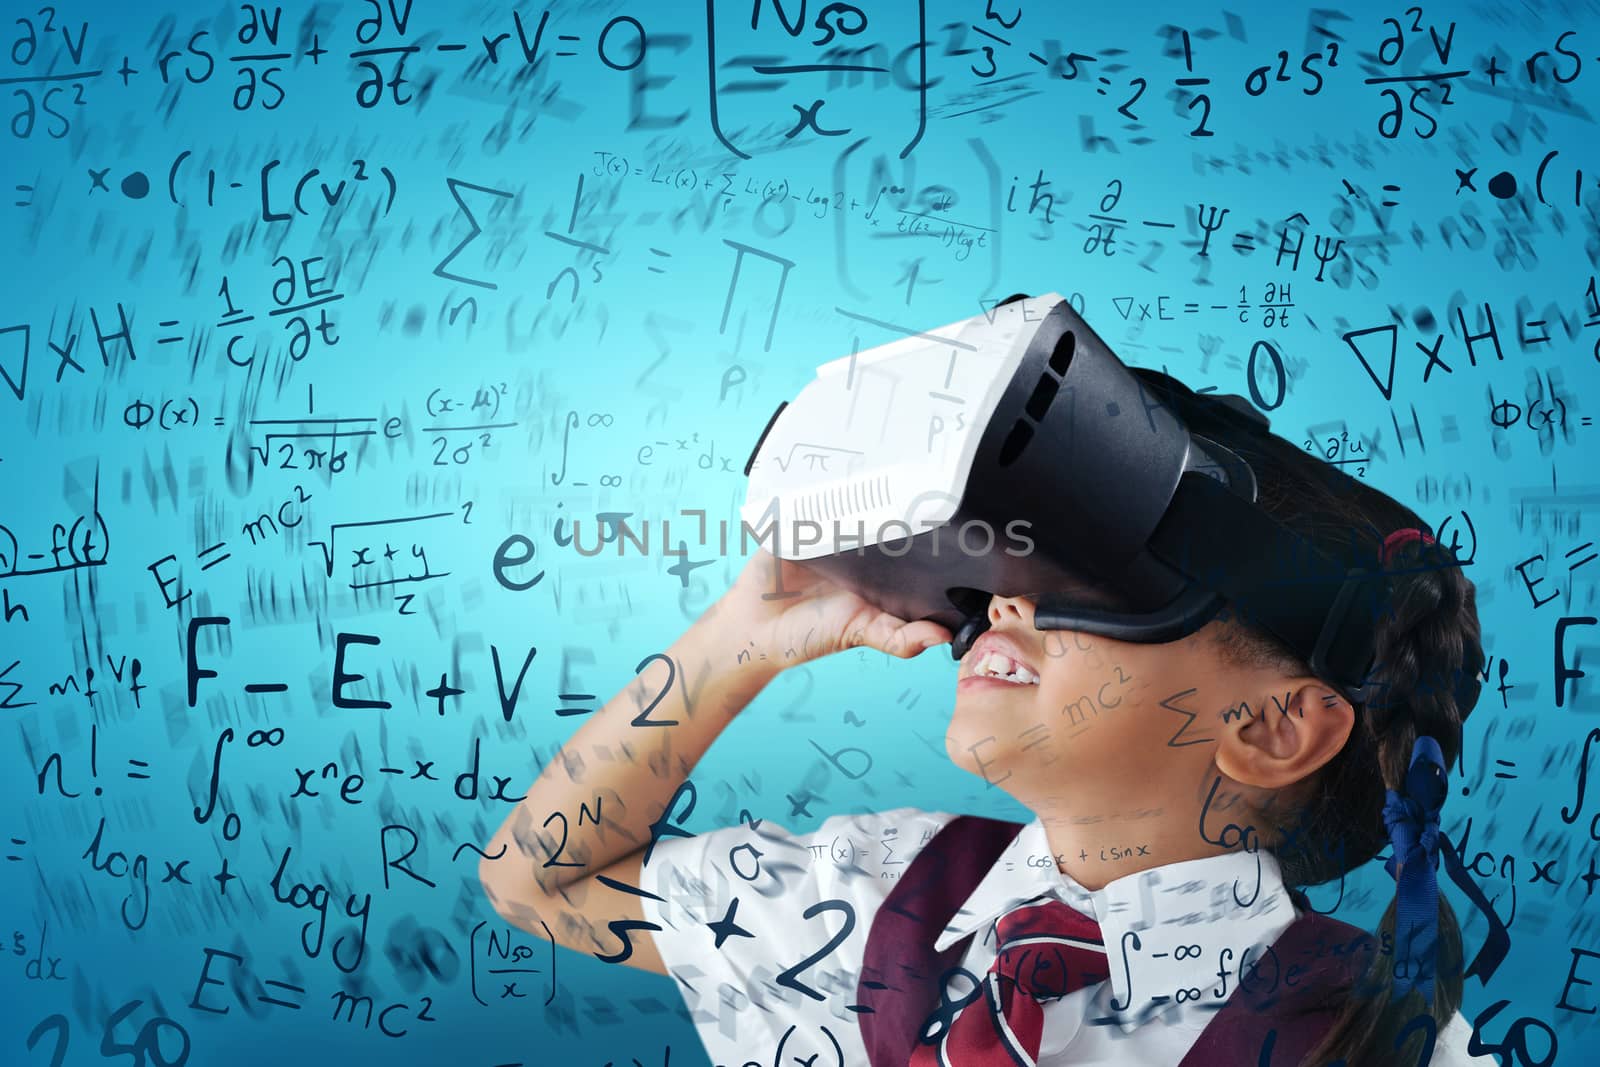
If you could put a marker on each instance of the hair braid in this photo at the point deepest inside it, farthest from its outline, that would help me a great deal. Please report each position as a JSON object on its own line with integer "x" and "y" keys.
{"x": 1426, "y": 680}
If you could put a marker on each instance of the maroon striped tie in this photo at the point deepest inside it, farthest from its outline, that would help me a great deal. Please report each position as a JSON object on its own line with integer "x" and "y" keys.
{"x": 1047, "y": 950}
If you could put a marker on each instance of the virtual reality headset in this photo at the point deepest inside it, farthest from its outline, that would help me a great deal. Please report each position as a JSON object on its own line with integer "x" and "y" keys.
{"x": 1013, "y": 454}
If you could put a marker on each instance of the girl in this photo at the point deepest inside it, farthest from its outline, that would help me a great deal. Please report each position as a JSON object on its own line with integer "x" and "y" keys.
{"x": 1150, "y": 911}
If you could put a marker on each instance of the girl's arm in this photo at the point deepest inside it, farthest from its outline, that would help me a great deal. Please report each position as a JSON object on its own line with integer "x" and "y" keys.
{"x": 625, "y": 774}
{"x": 547, "y": 861}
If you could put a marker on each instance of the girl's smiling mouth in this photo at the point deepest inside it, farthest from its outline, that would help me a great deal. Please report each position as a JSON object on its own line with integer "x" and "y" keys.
{"x": 996, "y": 657}
{"x": 1000, "y": 667}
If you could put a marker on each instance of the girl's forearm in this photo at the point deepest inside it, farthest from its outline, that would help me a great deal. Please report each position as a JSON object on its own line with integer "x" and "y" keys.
{"x": 622, "y": 767}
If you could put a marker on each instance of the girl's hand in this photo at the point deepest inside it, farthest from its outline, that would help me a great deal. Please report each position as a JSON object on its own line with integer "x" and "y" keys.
{"x": 822, "y": 618}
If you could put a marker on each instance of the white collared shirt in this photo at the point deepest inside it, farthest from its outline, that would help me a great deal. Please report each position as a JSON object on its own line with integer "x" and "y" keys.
{"x": 1169, "y": 930}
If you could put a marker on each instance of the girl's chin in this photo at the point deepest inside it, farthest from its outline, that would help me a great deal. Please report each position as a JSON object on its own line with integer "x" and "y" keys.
{"x": 977, "y": 753}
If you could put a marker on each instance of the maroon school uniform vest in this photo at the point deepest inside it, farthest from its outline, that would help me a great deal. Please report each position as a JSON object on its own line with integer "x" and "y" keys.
{"x": 899, "y": 987}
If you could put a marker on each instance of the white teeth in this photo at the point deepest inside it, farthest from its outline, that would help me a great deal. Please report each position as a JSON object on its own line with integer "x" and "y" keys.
{"x": 996, "y": 665}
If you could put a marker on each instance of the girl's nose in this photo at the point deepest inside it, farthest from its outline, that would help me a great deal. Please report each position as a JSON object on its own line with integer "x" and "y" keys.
{"x": 1010, "y": 607}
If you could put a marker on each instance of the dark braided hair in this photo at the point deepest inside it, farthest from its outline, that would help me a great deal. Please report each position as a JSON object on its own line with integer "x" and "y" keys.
{"x": 1425, "y": 681}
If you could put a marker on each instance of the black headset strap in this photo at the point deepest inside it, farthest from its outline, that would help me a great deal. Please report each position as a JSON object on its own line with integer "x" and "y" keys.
{"x": 1275, "y": 578}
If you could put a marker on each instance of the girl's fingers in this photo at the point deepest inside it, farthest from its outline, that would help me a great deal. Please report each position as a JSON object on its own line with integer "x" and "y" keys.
{"x": 913, "y": 638}
{"x": 866, "y": 626}
{"x": 926, "y": 633}
{"x": 895, "y": 636}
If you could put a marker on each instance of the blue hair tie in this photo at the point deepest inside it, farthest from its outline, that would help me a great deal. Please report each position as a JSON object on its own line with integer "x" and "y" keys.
{"x": 1413, "y": 822}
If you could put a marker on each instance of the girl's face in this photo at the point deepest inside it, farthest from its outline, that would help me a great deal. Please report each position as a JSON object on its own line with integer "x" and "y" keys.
{"x": 1104, "y": 724}
{"x": 1121, "y": 747}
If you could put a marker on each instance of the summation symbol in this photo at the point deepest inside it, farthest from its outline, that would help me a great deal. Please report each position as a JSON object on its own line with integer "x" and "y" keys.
{"x": 456, "y": 185}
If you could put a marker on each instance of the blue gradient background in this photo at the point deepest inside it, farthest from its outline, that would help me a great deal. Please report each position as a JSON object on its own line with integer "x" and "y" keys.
{"x": 644, "y": 356}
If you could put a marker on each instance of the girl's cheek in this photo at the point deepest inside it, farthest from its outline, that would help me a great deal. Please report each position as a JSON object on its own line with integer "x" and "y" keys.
{"x": 1056, "y": 645}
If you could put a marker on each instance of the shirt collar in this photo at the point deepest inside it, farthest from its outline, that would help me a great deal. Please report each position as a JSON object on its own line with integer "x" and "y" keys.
{"x": 1226, "y": 904}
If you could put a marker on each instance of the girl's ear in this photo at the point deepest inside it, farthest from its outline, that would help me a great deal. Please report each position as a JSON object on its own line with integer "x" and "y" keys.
{"x": 1297, "y": 731}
